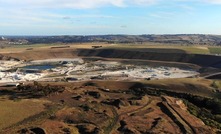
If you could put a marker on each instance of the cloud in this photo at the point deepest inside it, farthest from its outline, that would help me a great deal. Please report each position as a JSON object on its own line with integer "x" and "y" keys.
{"x": 142, "y": 2}
{"x": 89, "y": 4}
{"x": 201, "y": 1}
{"x": 123, "y": 26}
{"x": 163, "y": 15}
{"x": 76, "y": 4}
{"x": 66, "y": 18}
{"x": 213, "y": 1}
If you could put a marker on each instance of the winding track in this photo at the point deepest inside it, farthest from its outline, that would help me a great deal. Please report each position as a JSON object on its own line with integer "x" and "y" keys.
{"x": 116, "y": 118}
{"x": 211, "y": 75}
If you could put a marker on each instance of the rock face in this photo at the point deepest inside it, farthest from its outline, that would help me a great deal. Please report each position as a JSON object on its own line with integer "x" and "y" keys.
{"x": 94, "y": 94}
{"x": 113, "y": 102}
{"x": 38, "y": 130}
{"x": 125, "y": 129}
{"x": 88, "y": 129}
{"x": 8, "y": 58}
{"x": 35, "y": 130}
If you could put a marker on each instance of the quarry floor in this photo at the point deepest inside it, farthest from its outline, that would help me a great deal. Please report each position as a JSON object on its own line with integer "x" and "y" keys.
{"x": 77, "y": 69}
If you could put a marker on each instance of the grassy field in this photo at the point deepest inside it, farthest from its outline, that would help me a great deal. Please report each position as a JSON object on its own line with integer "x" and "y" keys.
{"x": 187, "y": 49}
{"x": 216, "y": 84}
{"x": 197, "y": 86}
{"x": 22, "y": 48}
{"x": 215, "y": 50}
{"x": 14, "y": 111}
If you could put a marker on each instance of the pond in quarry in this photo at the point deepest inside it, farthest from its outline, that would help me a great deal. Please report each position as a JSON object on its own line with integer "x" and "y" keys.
{"x": 40, "y": 67}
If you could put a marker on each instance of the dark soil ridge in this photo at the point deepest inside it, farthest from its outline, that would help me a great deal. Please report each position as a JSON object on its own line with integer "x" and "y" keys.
{"x": 197, "y": 59}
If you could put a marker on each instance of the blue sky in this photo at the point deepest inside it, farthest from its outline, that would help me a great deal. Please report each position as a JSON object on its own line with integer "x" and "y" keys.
{"x": 95, "y": 17}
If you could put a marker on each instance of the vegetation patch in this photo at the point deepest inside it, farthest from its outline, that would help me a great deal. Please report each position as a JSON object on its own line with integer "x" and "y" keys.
{"x": 205, "y": 115}
{"x": 215, "y": 50}
{"x": 37, "y": 90}
{"x": 207, "y": 109}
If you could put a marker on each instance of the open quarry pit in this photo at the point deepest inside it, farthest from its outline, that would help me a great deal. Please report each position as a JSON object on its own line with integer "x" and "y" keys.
{"x": 102, "y": 91}
{"x": 80, "y": 70}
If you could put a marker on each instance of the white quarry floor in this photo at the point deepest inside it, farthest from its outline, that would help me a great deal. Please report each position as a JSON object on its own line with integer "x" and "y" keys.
{"x": 81, "y": 70}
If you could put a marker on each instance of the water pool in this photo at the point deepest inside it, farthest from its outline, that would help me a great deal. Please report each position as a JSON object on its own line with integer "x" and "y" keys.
{"x": 39, "y": 67}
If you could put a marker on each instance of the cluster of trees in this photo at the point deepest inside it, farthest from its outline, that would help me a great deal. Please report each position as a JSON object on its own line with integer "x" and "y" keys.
{"x": 38, "y": 90}
{"x": 205, "y": 115}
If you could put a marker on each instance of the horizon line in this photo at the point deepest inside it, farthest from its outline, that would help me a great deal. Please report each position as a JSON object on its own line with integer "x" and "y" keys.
{"x": 108, "y": 34}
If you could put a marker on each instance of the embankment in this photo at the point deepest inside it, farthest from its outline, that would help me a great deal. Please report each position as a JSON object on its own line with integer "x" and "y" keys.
{"x": 197, "y": 59}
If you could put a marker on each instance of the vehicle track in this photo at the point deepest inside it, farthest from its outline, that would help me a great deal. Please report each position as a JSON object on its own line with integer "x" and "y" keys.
{"x": 116, "y": 118}
{"x": 185, "y": 127}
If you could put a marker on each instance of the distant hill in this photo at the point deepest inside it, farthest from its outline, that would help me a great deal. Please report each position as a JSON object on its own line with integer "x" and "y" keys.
{"x": 183, "y": 39}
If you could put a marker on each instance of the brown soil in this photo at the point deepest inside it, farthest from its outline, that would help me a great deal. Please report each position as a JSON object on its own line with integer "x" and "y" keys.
{"x": 88, "y": 108}
{"x": 44, "y": 54}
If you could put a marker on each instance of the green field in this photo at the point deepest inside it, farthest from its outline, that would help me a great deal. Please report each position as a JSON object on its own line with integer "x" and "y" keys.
{"x": 186, "y": 49}
{"x": 215, "y": 50}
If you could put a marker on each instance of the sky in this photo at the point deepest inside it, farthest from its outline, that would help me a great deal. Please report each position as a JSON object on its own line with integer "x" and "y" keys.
{"x": 102, "y": 17}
